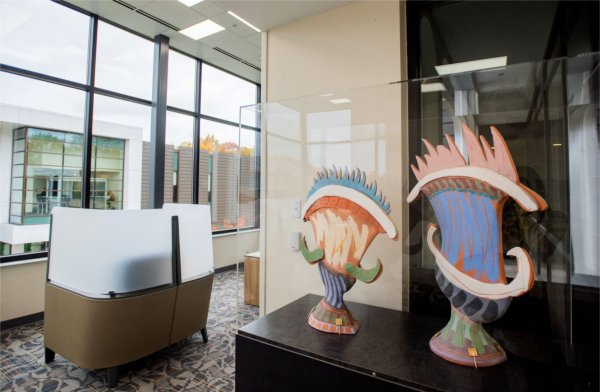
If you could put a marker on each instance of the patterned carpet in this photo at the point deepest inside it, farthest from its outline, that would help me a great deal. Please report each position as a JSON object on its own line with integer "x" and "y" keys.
{"x": 190, "y": 365}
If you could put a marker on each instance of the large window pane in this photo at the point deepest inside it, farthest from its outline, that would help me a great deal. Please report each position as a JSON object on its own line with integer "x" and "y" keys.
{"x": 130, "y": 123}
{"x": 45, "y": 37}
{"x": 223, "y": 94}
{"x": 179, "y": 163}
{"x": 41, "y": 104}
{"x": 35, "y": 116}
{"x": 124, "y": 62}
{"x": 181, "y": 87}
{"x": 219, "y": 153}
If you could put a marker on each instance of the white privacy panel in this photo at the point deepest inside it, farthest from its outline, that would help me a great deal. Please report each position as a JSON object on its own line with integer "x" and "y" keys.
{"x": 96, "y": 251}
{"x": 195, "y": 239}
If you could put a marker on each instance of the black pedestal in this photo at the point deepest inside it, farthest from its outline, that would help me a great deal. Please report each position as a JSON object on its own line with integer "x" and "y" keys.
{"x": 281, "y": 352}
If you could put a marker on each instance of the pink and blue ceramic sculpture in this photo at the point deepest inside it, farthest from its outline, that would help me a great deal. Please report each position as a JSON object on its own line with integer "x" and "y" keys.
{"x": 468, "y": 199}
{"x": 346, "y": 214}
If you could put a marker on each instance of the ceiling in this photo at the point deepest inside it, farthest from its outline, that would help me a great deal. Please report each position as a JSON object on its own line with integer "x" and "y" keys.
{"x": 237, "y": 48}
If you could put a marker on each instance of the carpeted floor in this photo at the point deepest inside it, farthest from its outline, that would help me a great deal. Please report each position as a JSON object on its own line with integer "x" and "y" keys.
{"x": 190, "y": 365}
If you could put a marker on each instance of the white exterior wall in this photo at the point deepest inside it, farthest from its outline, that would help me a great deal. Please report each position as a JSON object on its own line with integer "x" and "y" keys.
{"x": 132, "y": 185}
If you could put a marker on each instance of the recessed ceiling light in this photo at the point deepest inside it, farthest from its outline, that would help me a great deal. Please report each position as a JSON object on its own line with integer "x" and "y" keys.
{"x": 340, "y": 100}
{"x": 190, "y": 3}
{"x": 468, "y": 66}
{"x": 202, "y": 29}
{"x": 243, "y": 21}
{"x": 431, "y": 87}
{"x": 557, "y": 144}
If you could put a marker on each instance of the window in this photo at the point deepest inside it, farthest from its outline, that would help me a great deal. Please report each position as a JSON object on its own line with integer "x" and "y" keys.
{"x": 42, "y": 128}
{"x": 179, "y": 163}
{"x": 220, "y": 147}
{"x": 37, "y": 157}
{"x": 32, "y": 39}
{"x": 119, "y": 119}
{"x": 223, "y": 94}
{"x": 108, "y": 156}
{"x": 181, "y": 86}
{"x": 124, "y": 62}
{"x": 225, "y": 149}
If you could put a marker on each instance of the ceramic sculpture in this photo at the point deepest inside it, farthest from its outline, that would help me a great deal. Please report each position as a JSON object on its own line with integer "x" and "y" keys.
{"x": 468, "y": 199}
{"x": 346, "y": 214}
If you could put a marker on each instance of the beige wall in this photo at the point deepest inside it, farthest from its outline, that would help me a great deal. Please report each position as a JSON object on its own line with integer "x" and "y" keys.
{"x": 228, "y": 248}
{"x": 351, "y": 47}
{"x": 22, "y": 286}
{"x": 357, "y": 45}
{"x": 22, "y": 290}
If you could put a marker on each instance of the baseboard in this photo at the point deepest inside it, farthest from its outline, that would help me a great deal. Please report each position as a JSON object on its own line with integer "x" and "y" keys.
{"x": 17, "y": 322}
{"x": 228, "y": 268}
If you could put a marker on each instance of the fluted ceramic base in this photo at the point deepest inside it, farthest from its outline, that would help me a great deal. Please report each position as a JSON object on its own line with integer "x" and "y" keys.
{"x": 465, "y": 342}
{"x": 323, "y": 317}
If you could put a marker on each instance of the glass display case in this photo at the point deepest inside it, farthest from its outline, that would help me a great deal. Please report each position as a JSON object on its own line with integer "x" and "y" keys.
{"x": 547, "y": 112}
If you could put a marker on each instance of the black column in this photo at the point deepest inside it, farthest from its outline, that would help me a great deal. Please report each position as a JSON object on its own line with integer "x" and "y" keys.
{"x": 159, "y": 121}
{"x": 196, "y": 144}
{"x": 86, "y": 172}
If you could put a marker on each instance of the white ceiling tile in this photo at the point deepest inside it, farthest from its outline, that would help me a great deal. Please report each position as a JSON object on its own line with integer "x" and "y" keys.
{"x": 233, "y": 25}
{"x": 123, "y": 16}
{"x": 234, "y": 66}
{"x": 219, "y": 38}
{"x": 208, "y": 8}
{"x": 267, "y": 14}
{"x": 188, "y": 45}
{"x": 173, "y": 12}
{"x": 254, "y": 39}
{"x": 242, "y": 49}
{"x": 255, "y": 61}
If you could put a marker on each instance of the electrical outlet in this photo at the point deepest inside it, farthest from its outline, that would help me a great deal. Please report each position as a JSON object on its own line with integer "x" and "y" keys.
{"x": 295, "y": 240}
{"x": 295, "y": 209}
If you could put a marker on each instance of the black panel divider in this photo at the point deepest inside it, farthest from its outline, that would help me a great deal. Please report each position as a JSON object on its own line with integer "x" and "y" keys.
{"x": 176, "y": 259}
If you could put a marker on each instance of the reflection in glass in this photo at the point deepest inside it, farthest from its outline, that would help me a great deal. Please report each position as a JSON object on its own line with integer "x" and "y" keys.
{"x": 249, "y": 183}
{"x": 124, "y": 62}
{"x": 32, "y": 39}
{"x": 223, "y": 94}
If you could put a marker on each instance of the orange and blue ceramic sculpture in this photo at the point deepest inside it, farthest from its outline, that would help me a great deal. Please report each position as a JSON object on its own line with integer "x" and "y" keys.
{"x": 468, "y": 199}
{"x": 346, "y": 214}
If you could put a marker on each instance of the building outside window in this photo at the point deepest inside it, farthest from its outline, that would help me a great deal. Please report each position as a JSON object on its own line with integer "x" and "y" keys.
{"x": 47, "y": 173}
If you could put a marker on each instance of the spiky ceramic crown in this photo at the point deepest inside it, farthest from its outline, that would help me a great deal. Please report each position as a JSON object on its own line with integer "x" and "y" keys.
{"x": 493, "y": 165}
{"x": 352, "y": 186}
{"x": 355, "y": 180}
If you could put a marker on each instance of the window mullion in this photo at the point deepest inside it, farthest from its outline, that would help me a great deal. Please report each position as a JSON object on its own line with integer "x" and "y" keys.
{"x": 196, "y": 144}
{"x": 89, "y": 115}
{"x": 159, "y": 121}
